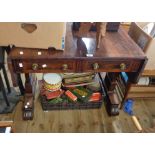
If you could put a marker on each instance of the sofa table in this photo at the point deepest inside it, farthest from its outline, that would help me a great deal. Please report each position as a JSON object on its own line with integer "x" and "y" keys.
{"x": 117, "y": 53}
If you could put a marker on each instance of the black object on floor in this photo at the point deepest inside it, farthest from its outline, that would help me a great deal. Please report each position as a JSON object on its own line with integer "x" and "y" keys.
{"x": 13, "y": 99}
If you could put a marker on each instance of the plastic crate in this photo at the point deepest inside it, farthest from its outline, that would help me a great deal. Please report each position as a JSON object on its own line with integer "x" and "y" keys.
{"x": 62, "y": 106}
{"x": 65, "y": 105}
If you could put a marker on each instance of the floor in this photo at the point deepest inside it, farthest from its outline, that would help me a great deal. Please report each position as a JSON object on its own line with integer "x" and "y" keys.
{"x": 89, "y": 121}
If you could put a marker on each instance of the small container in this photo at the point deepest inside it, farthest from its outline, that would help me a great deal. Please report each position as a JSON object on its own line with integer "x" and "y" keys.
{"x": 52, "y": 81}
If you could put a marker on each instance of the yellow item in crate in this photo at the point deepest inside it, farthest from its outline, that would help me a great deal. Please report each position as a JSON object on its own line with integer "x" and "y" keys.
{"x": 52, "y": 81}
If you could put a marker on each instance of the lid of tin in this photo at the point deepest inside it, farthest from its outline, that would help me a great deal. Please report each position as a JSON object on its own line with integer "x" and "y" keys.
{"x": 52, "y": 78}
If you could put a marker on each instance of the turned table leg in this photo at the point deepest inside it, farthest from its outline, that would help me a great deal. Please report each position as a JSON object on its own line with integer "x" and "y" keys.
{"x": 28, "y": 86}
{"x": 28, "y": 106}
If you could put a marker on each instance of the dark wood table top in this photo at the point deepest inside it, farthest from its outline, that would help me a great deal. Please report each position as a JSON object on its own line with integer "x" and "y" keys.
{"x": 115, "y": 45}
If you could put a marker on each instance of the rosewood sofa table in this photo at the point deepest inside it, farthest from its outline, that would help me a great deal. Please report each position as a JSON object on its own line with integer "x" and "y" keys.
{"x": 117, "y": 53}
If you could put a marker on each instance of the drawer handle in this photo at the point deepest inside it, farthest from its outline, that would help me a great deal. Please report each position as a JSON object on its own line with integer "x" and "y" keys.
{"x": 95, "y": 66}
{"x": 122, "y": 66}
{"x": 64, "y": 67}
{"x": 35, "y": 66}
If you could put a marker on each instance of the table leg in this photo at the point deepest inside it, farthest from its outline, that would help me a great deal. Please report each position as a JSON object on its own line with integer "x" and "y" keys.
{"x": 20, "y": 84}
{"x": 28, "y": 106}
{"x": 28, "y": 86}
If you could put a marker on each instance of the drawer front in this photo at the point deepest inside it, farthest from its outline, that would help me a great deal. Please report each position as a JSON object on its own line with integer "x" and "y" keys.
{"x": 110, "y": 66}
{"x": 44, "y": 66}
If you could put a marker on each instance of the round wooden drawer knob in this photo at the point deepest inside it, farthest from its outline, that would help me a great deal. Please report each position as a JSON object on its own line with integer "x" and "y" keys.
{"x": 95, "y": 66}
{"x": 64, "y": 67}
{"x": 35, "y": 66}
{"x": 122, "y": 66}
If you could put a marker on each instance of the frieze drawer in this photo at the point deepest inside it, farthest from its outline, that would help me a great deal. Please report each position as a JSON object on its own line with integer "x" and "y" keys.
{"x": 45, "y": 66}
{"x": 110, "y": 66}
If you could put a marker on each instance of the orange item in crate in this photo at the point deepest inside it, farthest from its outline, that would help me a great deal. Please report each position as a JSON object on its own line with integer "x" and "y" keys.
{"x": 71, "y": 95}
{"x": 95, "y": 97}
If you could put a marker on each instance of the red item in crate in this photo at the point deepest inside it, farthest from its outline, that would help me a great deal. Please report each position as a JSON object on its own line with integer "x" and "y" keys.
{"x": 51, "y": 95}
{"x": 95, "y": 97}
{"x": 71, "y": 95}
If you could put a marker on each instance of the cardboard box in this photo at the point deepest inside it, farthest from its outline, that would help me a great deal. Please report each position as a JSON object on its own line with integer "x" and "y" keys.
{"x": 33, "y": 35}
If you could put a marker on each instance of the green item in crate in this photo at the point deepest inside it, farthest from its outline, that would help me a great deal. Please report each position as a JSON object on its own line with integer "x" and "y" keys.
{"x": 56, "y": 100}
{"x": 82, "y": 93}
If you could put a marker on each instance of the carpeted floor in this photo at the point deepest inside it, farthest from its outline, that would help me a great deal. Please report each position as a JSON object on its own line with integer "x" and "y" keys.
{"x": 13, "y": 98}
